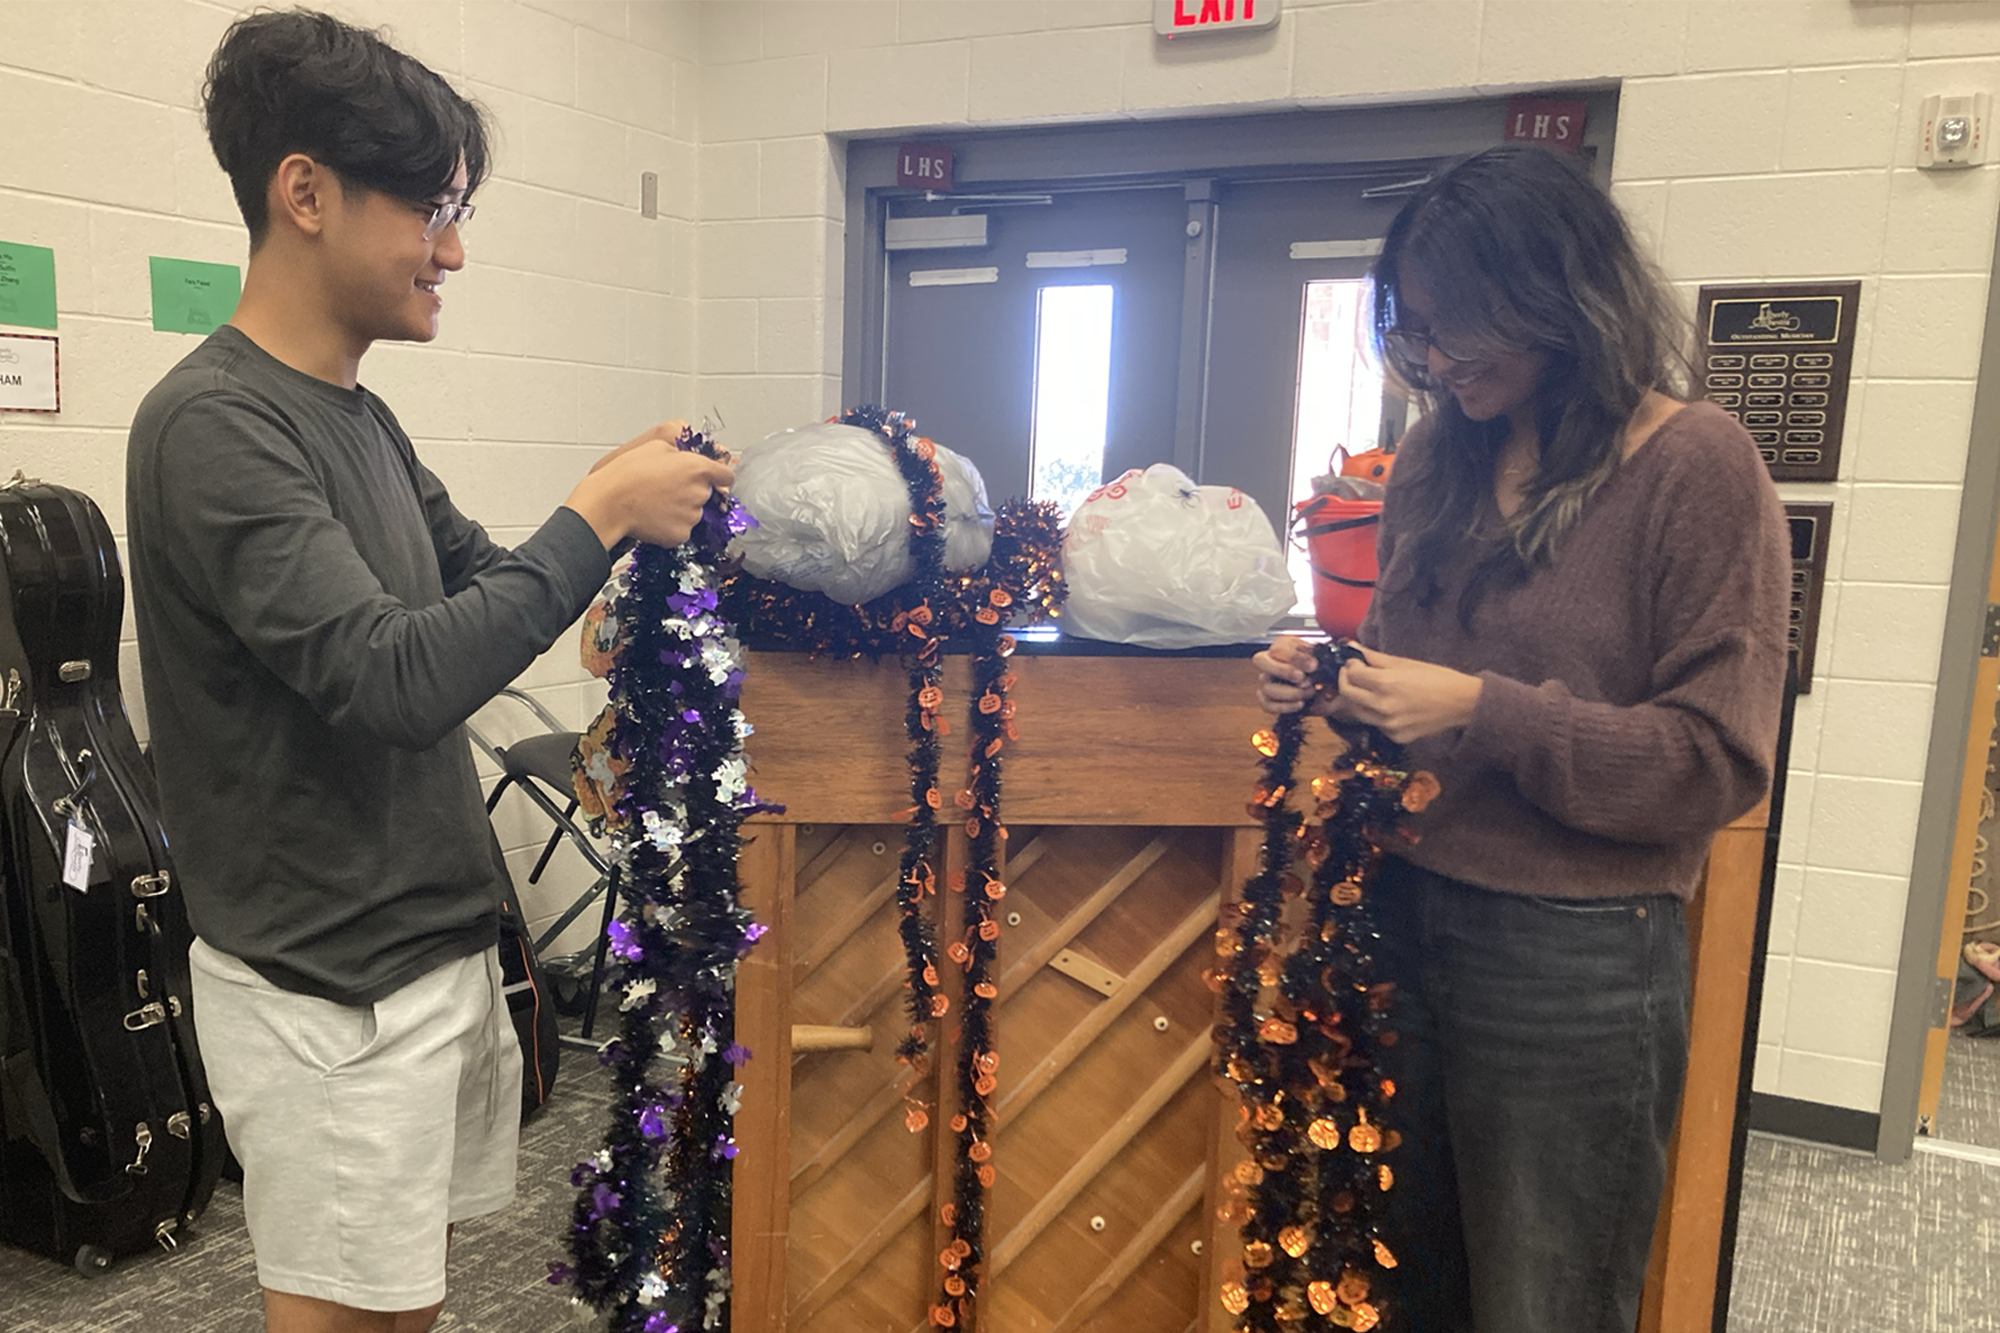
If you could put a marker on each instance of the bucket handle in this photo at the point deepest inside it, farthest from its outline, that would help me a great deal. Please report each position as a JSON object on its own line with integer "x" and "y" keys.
{"x": 1367, "y": 584}
{"x": 1339, "y": 525}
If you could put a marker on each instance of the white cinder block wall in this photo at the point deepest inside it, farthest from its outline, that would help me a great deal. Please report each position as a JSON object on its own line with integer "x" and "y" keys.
{"x": 569, "y": 331}
{"x": 1757, "y": 140}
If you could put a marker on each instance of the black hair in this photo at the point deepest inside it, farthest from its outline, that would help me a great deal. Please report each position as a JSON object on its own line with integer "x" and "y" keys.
{"x": 296, "y": 81}
{"x": 1520, "y": 251}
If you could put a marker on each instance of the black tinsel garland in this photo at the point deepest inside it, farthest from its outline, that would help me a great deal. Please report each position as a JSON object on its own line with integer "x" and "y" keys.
{"x": 1021, "y": 583}
{"x": 1025, "y": 565}
{"x": 921, "y": 626}
{"x": 1301, "y": 1033}
{"x": 977, "y": 952}
{"x": 650, "y": 1229}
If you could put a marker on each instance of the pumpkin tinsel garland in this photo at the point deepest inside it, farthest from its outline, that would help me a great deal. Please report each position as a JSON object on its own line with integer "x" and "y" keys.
{"x": 1021, "y": 583}
{"x": 1300, "y": 1034}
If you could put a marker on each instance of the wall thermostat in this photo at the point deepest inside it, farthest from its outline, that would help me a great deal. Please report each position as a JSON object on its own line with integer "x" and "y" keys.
{"x": 1953, "y": 130}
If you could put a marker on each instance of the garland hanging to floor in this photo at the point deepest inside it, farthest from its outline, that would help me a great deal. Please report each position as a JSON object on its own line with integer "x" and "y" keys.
{"x": 1021, "y": 582}
{"x": 977, "y": 951}
{"x": 1301, "y": 1031}
{"x": 665, "y": 769}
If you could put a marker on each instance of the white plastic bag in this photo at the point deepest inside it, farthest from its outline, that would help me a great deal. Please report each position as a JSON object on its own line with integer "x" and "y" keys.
{"x": 1156, "y": 560}
{"x": 833, "y": 513}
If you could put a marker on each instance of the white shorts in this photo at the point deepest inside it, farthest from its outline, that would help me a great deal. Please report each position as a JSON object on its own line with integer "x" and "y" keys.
{"x": 362, "y": 1131}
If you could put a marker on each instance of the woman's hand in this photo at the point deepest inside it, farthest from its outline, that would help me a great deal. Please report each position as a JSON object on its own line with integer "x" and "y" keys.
{"x": 1406, "y": 700}
{"x": 1283, "y": 689}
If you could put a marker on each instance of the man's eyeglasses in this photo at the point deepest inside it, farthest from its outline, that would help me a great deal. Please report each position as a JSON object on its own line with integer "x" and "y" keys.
{"x": 440, "y": 216}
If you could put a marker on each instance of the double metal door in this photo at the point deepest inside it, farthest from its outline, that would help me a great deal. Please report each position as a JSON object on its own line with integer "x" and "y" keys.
{"x": 1236, "y": 344}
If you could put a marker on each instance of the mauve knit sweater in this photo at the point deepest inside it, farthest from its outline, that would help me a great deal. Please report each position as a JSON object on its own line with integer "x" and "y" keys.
{"x": 1632, "y": 686}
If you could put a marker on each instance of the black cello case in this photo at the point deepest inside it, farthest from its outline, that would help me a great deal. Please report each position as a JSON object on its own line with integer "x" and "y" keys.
{"x": 108, "y": 1143}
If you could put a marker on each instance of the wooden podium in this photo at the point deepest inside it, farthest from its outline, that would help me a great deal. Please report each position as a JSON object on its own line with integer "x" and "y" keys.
{"x": 1125, "y": 805}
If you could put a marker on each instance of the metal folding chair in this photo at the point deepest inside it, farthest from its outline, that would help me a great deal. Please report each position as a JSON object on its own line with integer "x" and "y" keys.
{"x": 539, "y": 767}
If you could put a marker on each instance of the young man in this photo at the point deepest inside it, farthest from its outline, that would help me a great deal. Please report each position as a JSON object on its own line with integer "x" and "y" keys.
{"x": 316, "y": 621}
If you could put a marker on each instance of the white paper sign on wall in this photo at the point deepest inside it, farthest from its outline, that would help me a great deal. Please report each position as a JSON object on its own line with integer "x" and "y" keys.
{"x": 30, "y": 378}
{"x": 1193, "y": 18}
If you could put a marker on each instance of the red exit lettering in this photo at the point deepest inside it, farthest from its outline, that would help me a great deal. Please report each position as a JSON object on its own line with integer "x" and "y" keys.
{"x": 1211, "y": 11}
{"x": 1178, "y": 18}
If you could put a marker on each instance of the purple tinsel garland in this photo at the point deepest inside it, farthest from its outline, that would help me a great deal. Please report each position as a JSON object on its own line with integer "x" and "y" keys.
{"x": 649, "y": 1231}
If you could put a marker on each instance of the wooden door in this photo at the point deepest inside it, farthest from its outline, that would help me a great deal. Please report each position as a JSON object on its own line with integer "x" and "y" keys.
{"x": 1972, "y": 785}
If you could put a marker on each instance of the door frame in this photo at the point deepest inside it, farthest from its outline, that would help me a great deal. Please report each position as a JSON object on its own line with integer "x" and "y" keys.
{"x": 1194, "y": 150}
{"x": 1961, "y": 727}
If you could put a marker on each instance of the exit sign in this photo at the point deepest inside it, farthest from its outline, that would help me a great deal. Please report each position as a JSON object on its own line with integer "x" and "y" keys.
{"x": 1189, "y": 18}
{"x": 1549, "y": 122}
{"x": 924, "y": 166}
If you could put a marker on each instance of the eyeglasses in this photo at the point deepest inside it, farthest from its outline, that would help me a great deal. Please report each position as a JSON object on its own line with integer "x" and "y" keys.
{"x": 440, "y": 216}
{"x": 1414, "y": 346}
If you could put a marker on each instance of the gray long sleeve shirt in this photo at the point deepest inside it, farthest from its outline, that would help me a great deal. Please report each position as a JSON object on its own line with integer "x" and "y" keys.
{"x": 316, "y": 621}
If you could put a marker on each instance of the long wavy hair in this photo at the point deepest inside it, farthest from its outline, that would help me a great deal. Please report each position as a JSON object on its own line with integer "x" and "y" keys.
{"x": 1520, "y": 251}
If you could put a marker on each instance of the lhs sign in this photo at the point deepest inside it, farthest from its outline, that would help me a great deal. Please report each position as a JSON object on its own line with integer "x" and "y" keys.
{"x": 1189, "y": 18}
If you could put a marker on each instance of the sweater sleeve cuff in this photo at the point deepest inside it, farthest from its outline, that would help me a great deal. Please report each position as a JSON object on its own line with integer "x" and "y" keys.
{"x": 571, "y": 546}
{"x": 1509, "y": 719}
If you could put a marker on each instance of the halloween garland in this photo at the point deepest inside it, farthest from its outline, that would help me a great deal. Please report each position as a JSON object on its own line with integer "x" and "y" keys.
{"x": 1300, "y": 1034}
{"x": 664, "y": 768}
{"x": 916, "y": 459}
{"x": 977, "y": 951}
{"x": 1021, "y": 582}
{"x": 1025, "y": 567}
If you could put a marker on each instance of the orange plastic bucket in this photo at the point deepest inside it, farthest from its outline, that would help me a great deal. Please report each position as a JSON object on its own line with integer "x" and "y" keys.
{"x": 1340, "y": 543}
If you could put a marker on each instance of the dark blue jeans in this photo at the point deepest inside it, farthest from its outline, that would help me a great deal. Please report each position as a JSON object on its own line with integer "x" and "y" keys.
{"x": 1541, "y": 1052}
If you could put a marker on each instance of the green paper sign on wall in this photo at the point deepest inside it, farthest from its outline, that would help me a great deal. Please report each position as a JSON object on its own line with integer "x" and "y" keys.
{"x": 193, "y": 297}
{"x": 27, "y": 285}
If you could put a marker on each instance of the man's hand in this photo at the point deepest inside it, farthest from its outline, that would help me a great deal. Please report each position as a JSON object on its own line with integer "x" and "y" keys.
{"x": 1282, "y": 688}
{"x": 1405, "y": 699}
{"x": 648, "y": 489}
{"x": 670, "y": 431}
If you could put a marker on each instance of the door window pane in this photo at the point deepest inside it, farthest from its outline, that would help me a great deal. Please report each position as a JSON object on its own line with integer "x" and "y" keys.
{"x": 1339, "y": 395}
{"x": 1072, "y": 393}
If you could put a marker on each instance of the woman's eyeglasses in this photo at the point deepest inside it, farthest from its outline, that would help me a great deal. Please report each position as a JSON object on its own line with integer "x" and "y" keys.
{"x": 1414, "y": 346}
{"x": 439, "y": 216}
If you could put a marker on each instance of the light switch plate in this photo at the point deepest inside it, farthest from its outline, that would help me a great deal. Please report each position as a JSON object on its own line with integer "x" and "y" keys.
{"x": 1952, "y": 130}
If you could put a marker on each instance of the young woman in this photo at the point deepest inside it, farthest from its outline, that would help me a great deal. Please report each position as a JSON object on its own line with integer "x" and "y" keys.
{"x": 1580, "y": 628}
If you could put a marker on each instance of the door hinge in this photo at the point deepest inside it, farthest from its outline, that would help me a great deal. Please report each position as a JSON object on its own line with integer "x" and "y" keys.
{"x": 1989, "y": 643}
{"x": 1942, "y": 991}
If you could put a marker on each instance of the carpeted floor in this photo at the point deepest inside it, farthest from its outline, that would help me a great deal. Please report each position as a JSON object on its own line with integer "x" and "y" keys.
{"x": 1969, "y": 1106}
{"x": 1829, "y": 1240}
{"x": 499, "y": 1264}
